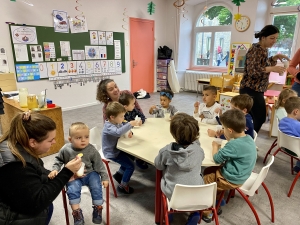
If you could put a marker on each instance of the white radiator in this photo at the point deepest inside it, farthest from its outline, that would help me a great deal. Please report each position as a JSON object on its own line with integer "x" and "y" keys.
{"x": 190, "y": 79}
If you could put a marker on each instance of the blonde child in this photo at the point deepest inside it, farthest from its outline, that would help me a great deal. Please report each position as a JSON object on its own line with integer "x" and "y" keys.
{"x": 79, "y": 143}
{"x": 208, "y": 110}
{"x": 159, "y": 111}
{"x": 113, "y": 129}
{"x": 283, "y": 96}
{"x": 185, "y": 130}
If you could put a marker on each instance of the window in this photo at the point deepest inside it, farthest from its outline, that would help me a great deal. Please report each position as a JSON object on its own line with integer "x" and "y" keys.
{"x": 212, "y": 37}
{"x": 284, "y": 3}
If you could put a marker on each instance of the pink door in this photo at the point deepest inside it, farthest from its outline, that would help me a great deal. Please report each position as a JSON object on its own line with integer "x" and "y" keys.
{"x": 142, "y": 54}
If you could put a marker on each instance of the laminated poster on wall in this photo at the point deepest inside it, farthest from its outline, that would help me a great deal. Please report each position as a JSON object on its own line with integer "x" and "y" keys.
{"x": 36, "y": 53}
{"x": 61, "y": 23}
{"x": 94, "y": 37}
{"x": 52, "y": 69}
{"x": 117, "y": 44}
{"x": 102, "y": 37}
{"x": 97, "y": 67}
{"x": 109, "y": 38}
{"x": 23, "y": 35}
{"x": 72, "y": 68}
{"x": 78, "y": 24}
{"x": 26, "y": 72}
{"x": 92, "y": 52}
{"x": 49, "y": 50}
{"x": 65, "y": 48}
{"x": 78, "y": 55}
{"x": 111, "y": 66}
{"x": 118, "y": 66}
{"x": 43, "y": 70}
{"x": 89, "y": 67}
{"x": 21, "y": 52}
{"x": 62, "y": 69}
{"x": 81, "y": 67}
{"x": 102, "y": 52}
{"x": 3, "y": 61}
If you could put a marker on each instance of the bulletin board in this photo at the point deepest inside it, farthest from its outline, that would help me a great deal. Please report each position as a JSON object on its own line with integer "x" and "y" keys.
{"x": 77, "y": 41}
{"x": 235, "y": 58}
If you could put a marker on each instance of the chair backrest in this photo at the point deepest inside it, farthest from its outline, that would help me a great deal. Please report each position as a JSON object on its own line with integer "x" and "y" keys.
{"x": 254, "y": 135}
{"x": 228, "y": 81}
{"x": 95, "y": 137}
{"x": 216, "y": 81}
{"x": 193, "y": 197}
{"x": 260, "y": 178}
{"x": 289, "y": 142}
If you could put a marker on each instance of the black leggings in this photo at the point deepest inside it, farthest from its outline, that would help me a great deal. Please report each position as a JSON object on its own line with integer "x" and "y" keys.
{"x": 258, "y": 111}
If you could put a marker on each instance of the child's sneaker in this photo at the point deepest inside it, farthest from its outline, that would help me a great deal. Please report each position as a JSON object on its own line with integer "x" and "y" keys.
{"x": 97, "y": 214}
{"x": 125, "y": 189}
{"x": 141, "y": 164}
{"x": 193, "y": 218}
{"x": 118, "y": 177}
{"x": 78, "y": 217}
{"x": 207, "y": 218}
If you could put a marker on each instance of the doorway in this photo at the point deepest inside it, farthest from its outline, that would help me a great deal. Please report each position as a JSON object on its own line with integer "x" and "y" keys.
{"x": 142, "y": 54}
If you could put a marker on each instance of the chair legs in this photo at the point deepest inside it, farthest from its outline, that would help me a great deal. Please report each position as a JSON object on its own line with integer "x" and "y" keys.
{"x": 110, "y": 177}
{"x": 271, "y": 202}
{"x": 293, "y": 184}
{"x": 272, "y": 146}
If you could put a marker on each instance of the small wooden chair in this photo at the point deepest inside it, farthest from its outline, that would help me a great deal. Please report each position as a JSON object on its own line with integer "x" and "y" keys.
{"x": 218, "y": 83}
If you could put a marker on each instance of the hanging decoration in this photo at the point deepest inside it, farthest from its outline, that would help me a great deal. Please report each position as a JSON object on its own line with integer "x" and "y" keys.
{"x": 76, "y": 7}
{"x": 238, "y": 16}
{"x": 180, "y": 5}
{"x": 151, "y": 8}
{"x": 205, "y": 7}
{"x": 237, "y": 2}
{"x": 125, "y": 18}
{"x": 184, "y": 11}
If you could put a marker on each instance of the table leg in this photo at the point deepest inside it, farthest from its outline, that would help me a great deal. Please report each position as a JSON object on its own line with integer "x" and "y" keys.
{"x": 158, "y": 196}
{"x": 197, "y": 89}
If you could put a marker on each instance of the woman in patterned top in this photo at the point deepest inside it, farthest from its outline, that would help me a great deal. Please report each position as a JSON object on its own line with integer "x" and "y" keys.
{"x": 257, "y": 70}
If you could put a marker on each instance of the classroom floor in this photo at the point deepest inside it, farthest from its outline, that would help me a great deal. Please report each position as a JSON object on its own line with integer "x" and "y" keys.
{"x": 138, "y": 208}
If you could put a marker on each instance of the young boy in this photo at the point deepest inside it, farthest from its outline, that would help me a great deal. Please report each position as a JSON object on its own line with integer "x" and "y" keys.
{"x": 128, "y": 101}
{"x": 113, "y": 129}
{"x": 207, "y": 111}
{"x": 79, "y": 143}
{"x": 181, "y": 161}
{"x": 237, "y": 157}
{"x": 290, "y": 125}
{"x": 244, "y": 103}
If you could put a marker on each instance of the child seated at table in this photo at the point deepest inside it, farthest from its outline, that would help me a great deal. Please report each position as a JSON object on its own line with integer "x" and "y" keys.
{"x": 283, "y": 96}
{"x": 79, "y": 143}
{"x": 181, "y": 160}
{"x": 128, "y": 101}
{"x": 237, "y": 157}
{"x": 290, "y": 125}
{"x": 113, "y": 129}
{"x": 244, "y": 103}
{"x": 207, "y": 111}
{"x": 159, "y": 111}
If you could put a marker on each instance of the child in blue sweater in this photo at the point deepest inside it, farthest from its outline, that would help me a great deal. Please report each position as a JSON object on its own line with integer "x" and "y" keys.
{"x": 237, "y": 157}
{"x": 113, "y": 129}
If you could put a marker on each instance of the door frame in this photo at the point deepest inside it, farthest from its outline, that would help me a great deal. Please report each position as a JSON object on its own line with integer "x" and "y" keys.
{"x": 131, "y": 19}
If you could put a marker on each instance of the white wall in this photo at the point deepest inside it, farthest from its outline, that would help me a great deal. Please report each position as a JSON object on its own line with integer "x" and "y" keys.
{"x": 101, "y": 15}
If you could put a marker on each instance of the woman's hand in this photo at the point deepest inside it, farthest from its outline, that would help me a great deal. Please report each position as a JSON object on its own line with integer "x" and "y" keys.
{"x": 278, "y": 69}
{"x": 280, "y": 57}
{"x": 74, "y": 165}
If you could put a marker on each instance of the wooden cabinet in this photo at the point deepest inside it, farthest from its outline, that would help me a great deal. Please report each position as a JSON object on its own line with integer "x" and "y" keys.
{"x": 11, "y": 108}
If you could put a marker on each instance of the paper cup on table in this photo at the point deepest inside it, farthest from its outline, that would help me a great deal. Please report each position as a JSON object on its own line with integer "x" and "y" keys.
{"x": 80, "y": 172}
{"x": 167, "y": 116}
{"x": 126, "y": 134}
{"x": 218, "y": 128}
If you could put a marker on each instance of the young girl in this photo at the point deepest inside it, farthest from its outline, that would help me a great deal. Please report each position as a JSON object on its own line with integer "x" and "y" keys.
{"x": 283, "y": 96}
{"x": 159, "y": 111}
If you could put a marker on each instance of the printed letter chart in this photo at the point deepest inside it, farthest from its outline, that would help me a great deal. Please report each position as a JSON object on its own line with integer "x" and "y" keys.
{"x": 111, "y": 66}
{"x": 118, "y": 66}
{"x": 72, "y": 68}
{"x": 81, "y": 67}
{"x": 52, "y": 69}
{"x": 27, "y": 72}
{"x": 89, "y": 67}
{"x": 62, "y": 68}
{"x": 104, "y": 65}
{"x": 97, "y": 66}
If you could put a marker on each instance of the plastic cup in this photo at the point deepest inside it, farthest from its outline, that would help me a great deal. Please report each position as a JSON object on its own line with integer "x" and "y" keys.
{"x": 286, "y": 64}
{"x": 80, "y": 172}
{"x": 167, "y": 116}
{"x": 218, "y": 128}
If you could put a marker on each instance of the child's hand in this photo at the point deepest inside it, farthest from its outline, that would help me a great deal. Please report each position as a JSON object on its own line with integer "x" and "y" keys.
{"x": 196, "y": 104}
{"x": 52, "y": 174}
{"x": 140, "y": 123}
{"x": 218, "y": 111}
{"x": 219, "y": 133}
{"x": 201, "y": 116}
{"x": 130, "y": 134}
{"x": 216, "y": 144}
{"x": 105, "y": 183}
{"x": 134, "y": 123}
{"x": 153, "y": 107}
{"x": 74, "y": 165}
{"x": 211, "y": 133}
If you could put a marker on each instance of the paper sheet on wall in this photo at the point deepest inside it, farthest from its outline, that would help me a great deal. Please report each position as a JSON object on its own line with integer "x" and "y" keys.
{"x": 102, "y": 37}
{"x": 78, "y": 55}
{"x": 43, "y": 70}
{"x": 78, "y": 25}
{"x": 52, "y": 69}
{"x": 65, "y": 48}
{"x": 49, "y": 50}
{"x": 118, "y": 66}
{"x": 21, "y": 52}
{"x": 81, "y": 67}
{"x": 36, "y": 53}
{"x": 102, "y": 52}
{"x": 117, "y": 44}
{"x": 93, "y": 37}
{"x": 61, "y": 23}
{"x": 72, "y": 68}
{"x": 109, "y": 38}
{"x": 3, "y": 61}
{"x": 23, "y": 35}
{"x": 92, "y": 52}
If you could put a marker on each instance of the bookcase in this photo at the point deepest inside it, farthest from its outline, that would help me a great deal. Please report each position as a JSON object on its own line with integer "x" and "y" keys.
{"x": 162, "y": 74}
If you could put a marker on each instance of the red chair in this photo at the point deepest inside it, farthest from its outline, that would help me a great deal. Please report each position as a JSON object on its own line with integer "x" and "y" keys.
{"x": 291, "y": 144}
{"x": 190, "y": 198}
{"x": 250, "y": 187}
{"x": 63, "y": 193}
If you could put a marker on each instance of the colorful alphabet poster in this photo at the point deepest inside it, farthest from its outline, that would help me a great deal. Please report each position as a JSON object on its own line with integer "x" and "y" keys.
{"x": 26, "y": 72}
{"x": 234, "y": 55}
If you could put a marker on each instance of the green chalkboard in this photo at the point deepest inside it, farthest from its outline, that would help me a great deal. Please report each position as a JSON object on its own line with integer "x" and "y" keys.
{"x": 78, "y": 41}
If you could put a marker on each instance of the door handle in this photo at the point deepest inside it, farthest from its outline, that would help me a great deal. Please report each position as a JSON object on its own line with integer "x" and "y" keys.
{"x": 134, "y": 63}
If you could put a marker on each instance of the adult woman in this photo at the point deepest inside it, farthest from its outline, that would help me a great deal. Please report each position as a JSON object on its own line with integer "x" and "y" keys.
{"x": 295, "y": 72}
{"x": 26, "y": 193}
{"x": 257, "y": 70}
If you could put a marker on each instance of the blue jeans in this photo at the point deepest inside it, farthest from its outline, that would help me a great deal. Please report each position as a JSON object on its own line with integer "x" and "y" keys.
{"x": 93, "y": 181}
{"x": 127, "y": 166}
{"x": 50, "y": 212}
{"x": 296, "y": 87}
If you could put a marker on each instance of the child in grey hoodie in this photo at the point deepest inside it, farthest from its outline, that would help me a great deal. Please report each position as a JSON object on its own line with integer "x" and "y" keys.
{"x": 181, "y": 161}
